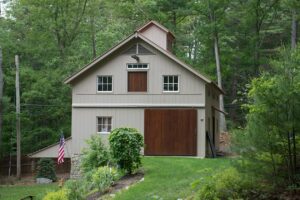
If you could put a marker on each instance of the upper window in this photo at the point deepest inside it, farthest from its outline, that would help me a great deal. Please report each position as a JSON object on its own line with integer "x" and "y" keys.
{"x": 104, "y": 124}
{"x": 104, "y": 84}
{"x": 137, "y": 66}
{"x": 171, "y": 83}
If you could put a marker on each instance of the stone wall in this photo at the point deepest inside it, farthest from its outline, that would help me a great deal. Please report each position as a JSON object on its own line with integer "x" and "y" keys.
{"x": 75, "y": 166}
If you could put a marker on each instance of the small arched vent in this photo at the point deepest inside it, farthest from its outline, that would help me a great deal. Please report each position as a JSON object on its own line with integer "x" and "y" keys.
{"x": 138, "y": 49}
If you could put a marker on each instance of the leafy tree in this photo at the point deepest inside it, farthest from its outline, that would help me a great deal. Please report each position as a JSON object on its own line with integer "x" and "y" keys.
{"x": 269, "y": 140}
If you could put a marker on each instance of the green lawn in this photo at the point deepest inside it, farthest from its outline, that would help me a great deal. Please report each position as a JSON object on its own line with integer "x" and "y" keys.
{"x": 170, "y": 177}
{"x": 165, "y": 178}
{"x": 20, "y": 191}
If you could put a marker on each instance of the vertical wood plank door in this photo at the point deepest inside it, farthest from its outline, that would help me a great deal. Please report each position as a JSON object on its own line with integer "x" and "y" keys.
{"x": 171, "y": 132}
{"x": 137, "y": 81}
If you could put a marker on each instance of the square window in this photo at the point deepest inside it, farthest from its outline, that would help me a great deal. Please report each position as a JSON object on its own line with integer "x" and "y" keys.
{"x": 104, "y": 124}
{"x": 104, "y": 84}
{"x": 170, "y": 83}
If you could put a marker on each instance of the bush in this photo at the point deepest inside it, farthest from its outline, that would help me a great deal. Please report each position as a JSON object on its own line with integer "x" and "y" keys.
{"x": 46, "y": 169}
{"x": 125, "y": 145}
{"x": 58, "y": 195}
{"x": 95, "y": 155}
{"x": 104, "y": 177}
{"x": 75, "y": 189}
{"x": 228, "y": 184}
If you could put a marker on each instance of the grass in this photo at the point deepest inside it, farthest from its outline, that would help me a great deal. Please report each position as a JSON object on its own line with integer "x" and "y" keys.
{"x": 15, "y": 192}
{"x": 165, "y": 178}
{"x": 171, "y": 177}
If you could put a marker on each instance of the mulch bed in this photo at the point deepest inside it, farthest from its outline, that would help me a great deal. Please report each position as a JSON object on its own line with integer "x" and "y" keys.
{"x": 124, "y": 182}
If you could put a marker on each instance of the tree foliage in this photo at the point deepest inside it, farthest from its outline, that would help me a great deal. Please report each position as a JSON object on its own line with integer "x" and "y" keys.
{"x": 46, "y": 169}
{"x": 270, "y": 138}
{"x": 55, "y": 38}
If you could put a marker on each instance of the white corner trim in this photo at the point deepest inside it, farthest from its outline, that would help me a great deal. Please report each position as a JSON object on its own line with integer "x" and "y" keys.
{"x": 131, "y": 105}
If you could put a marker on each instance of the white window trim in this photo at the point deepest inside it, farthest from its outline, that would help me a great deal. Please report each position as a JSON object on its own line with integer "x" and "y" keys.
{"x": 171, "y": 91}
{"x": 103, "y": 133}
{"x": 112, "y": 85}
{"x": 137, "y": 69}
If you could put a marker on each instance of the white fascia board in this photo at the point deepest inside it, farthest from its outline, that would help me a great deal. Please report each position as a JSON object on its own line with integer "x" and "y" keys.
{"x": 131, "y": 105}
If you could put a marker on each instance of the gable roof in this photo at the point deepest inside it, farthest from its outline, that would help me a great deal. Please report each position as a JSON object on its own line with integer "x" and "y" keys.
{"x": 47, "y": 147}
{"x": 146, "y": 40}
{"x": 144, "y": 27}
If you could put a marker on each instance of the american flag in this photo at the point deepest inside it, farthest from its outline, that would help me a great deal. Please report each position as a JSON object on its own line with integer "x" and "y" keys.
{"x": 61, "y": 150}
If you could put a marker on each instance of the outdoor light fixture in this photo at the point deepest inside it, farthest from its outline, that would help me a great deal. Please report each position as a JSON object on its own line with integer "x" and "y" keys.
{"x": 135, "y": 57}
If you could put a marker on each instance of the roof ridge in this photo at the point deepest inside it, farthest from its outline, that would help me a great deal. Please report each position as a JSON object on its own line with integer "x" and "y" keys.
{"x": 157, "y": 24}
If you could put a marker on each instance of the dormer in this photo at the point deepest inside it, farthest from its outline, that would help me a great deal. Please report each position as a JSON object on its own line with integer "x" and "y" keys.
{"x": 158, "y": 34}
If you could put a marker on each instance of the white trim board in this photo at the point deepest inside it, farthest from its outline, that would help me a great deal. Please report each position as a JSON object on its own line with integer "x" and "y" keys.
{"x": 131, "y": 105}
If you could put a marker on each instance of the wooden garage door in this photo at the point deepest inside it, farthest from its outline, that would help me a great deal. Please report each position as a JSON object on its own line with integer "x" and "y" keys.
{"x": 170, "y": 132}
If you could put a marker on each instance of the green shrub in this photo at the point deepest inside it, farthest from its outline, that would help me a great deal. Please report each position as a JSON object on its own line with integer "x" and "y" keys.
{"x": 228, "y": 184}
{"x": 95, "y": 155}
{"x": 75, "y": 189}
{"x": 58, "y": 195}
{"x": 125, "y": 145}
{"x": 104, "y": 177}
{"x": 46, "y": 169}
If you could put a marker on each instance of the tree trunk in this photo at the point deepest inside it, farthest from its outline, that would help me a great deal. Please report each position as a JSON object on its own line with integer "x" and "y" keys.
{"x": 294, "y": 30}
{"x": 18, "y": 119}
{"x": 222, "y": 124}
{"x": 1, "y": 100}
{"x": 293, "y": 46}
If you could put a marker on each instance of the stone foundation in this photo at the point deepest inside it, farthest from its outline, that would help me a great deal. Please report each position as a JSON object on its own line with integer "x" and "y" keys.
{"x": 75, "y": 167}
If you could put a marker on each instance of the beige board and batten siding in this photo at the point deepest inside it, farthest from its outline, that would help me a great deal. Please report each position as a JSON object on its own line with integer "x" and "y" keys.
{"x": 119, "y": 104}
{"x": 156, "y": 35}
{"x": 84, "y": 121}
{"x": 212, "y": 101}
{"x": 191, "y": 88}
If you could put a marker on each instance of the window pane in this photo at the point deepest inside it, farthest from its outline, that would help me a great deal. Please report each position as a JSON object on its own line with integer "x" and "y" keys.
{"x": 175, "y": 79}
{"x": 104, "y": 79}
{"x": 176, "y": 87}
{"x": 129, "y": 66}
{"x": 109, "y": 87}
{"x": 109, "y": 79}
{"x": 165, "y": 79}
{"x": 99, "y": 79}
{"x": 105, "y": 87}
{"x": 165, "y": 87}
{"x": 100, "y": 88}
{"x": 171, "y": 87}
{"x": 170, "y": 79}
